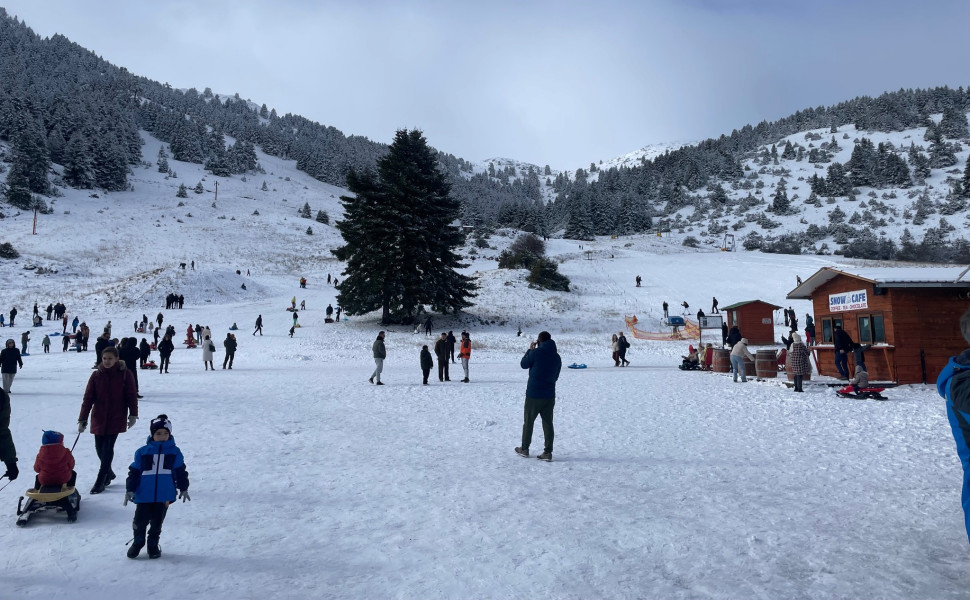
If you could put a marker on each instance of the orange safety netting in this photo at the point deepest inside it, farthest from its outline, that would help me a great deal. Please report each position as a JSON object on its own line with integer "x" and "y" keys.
{"x": 690, "y": 331}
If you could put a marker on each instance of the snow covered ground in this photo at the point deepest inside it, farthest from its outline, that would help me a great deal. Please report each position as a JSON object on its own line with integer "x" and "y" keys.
{"x": 307, "y": 482}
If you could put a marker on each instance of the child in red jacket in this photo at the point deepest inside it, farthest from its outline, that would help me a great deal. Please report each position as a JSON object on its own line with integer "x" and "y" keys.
{"x": 55, "y": 467}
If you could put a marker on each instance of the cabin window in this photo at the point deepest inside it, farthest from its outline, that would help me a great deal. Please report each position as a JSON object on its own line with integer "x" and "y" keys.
{"x": 872, "y": 329}
{"x": 828, "y": 326}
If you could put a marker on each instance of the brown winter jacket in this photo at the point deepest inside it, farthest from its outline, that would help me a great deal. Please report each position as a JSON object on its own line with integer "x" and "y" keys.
{"x": 112, "y": 395}
{"x": 797, "y": 362}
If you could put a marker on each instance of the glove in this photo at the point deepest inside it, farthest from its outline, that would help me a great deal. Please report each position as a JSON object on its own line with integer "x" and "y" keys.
{"x": 129, "y": 496}
{"x": 12, "y": 471}
{"x": 184, "y": 495}
{"x": 81, "y": 426}
{"x": 131, "y": 420}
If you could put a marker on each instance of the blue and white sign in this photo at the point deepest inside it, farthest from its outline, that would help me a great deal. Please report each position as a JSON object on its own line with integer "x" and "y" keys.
{"x": 848, "y": 301}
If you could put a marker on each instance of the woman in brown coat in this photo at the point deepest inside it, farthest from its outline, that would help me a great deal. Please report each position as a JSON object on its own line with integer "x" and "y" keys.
{"x": 111, "y": 399}
{"x": 797, "y": 362}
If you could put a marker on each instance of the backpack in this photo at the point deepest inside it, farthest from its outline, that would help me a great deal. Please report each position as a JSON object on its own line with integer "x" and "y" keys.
{"x": 212, "y": 347}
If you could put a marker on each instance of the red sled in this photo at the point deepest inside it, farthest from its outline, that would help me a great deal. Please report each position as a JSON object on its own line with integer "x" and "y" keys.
{"x": 867, "y": 393}
{"x": 189, "y": 343}
{"x": 149, "y": 365}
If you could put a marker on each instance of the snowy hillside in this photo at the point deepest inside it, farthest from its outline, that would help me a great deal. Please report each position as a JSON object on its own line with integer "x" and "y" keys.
{"x": 308, "y": 482}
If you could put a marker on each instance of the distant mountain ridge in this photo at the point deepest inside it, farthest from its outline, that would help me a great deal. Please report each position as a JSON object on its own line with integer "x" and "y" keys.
{"x": 62, "y": 105}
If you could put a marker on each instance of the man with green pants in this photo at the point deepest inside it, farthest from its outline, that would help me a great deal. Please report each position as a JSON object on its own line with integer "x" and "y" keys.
{"x": 544, "y": 365}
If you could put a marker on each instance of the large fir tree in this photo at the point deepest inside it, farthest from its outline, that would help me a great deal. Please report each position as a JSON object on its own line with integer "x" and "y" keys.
{"x": 399, "y": 237}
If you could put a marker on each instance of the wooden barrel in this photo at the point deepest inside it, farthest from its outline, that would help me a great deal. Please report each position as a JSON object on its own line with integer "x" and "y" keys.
{"x": 766, "y": 365}
{"x": 722, "y": 360}
{"x": 750, "y": 368}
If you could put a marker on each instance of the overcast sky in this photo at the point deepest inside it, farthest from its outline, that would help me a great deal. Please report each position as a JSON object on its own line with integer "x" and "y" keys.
{"x": 552, "y": 82}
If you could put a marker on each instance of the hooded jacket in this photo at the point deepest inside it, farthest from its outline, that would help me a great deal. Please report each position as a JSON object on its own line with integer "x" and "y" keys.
{"x": 741, "y": 349}
{"x": 54, "y": 464}
{"x": 157, "y": 472}
{"x": 109, "y": 398}
{"x": 544, "y": 365}
{"x": 426, "y": 361}
{"x": 954, "y": 385}
{"x": 796, "y": 361}
{"x": 10, "y": 358}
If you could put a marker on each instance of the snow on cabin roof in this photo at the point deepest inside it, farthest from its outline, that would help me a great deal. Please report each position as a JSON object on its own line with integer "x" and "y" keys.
{"x": 952, "y": 276}
{"x": 746, "y": 302}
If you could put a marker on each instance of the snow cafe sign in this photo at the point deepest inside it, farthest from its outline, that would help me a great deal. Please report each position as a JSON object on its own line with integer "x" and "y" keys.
{"x": 848, "y": 301}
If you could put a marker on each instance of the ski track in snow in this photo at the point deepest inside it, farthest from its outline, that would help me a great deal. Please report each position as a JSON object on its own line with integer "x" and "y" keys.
{"x": 309, "y": 482}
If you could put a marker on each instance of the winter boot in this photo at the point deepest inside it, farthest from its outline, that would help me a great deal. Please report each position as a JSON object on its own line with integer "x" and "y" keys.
{"x": 137, "y": 544}
{"x": 522, "y": 452}
{"x": 98, "y": 484}
{"x": 546, "y": 456}
{"x": 154, "y": 550}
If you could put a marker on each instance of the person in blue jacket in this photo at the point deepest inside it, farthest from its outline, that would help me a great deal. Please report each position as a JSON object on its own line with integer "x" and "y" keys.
{"x": 544, "y": 364}
{"x": 153, "y": 478}
{"x": 954, "y": 385}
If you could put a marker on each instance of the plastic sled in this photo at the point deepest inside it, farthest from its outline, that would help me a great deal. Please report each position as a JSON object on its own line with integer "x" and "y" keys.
{"x": 577, "y": 366}
{"x": 867, "y": 393}
{"x": 149, "y": 365}
{"x": 48, "y": 497}
{"x": 689, "y": 366}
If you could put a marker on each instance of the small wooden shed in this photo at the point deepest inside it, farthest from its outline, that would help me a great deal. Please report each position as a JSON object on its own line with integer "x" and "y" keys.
{"x": 911, "y": 316}
{"x": 755, "y": 319}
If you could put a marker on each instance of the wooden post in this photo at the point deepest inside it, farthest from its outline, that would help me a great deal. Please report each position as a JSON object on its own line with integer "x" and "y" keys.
{"x": 217, "y": 192}
{"x": 35, "y": 221}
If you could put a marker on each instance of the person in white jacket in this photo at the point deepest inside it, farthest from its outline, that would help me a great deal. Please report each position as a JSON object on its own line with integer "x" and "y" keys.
{"x": 738, "y": 354}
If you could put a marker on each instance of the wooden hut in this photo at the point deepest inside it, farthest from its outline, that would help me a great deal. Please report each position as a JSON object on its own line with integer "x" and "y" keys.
{"x": 910, "y": 315}
{"x": 755, "y": 319}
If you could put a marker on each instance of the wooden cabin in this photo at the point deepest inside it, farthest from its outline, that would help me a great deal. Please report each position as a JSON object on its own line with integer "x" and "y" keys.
{"x": 755, "y": 319}
{"x": 911, "y": 316}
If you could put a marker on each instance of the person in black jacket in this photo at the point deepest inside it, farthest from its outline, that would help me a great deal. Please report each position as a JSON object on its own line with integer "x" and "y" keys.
{"x": 13, "y": 315}
{"x": 165, "y": 348}
{"x": 8, "y": 451}
{"x": 734, "y": 336}
{"x": 230, "y": 345}
{"x": 426, "y": 363}
{"x": 259, "y": 325}
{"x": 9, "y": 361}
{"x": 843, "y": 345}
{"x": 622, "y": 345}
{"x": 441, "y": 351}
{"x": 130, "y": 353}
{"x": 145, "y": 350}
{"x": 451, "y": 344}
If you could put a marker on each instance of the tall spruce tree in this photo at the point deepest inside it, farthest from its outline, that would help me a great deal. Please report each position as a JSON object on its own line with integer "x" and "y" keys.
{"x": 400, "y": 238}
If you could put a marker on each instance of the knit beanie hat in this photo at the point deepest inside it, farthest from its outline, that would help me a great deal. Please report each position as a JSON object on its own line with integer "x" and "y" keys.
{"x": 52, "y": 437}
{"x": 160, "y": 422}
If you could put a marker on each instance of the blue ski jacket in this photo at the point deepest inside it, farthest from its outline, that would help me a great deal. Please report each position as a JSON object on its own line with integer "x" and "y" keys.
{"x": 157, "y": 471}
{"x": 954, "y": 385}
{"x": 544, "y": 366}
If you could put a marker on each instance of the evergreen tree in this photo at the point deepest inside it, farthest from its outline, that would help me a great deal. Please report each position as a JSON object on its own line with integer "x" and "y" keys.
{"x": 399, "y": 237}
{"x": 953, "y": 125}
{"x": 182, "y": 191}
{"x": 323, "y": 217}
{"x": 965, "y": 182}
{"x": 78, "y": 172}
{"x": 305, "y": 211}
{"x": 198, "y": 188}
{"x": 780, "y": 204}
{"x": 862, "y": 165}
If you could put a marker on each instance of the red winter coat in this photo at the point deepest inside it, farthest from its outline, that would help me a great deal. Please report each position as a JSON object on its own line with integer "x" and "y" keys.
{"x": 112, "y": 395}
{"x": 54, "y": 464}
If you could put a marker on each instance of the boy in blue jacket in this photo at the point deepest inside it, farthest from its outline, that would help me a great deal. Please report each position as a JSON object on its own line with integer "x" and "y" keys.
{"x": 954, "y": 385}
{"x": 153, "y": 478}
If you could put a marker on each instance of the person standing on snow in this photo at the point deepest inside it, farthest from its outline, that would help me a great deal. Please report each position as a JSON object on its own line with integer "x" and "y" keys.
{"x": 230, "y": 345}
{"x": 544, "y": 365}
{"x": 796, "y": 361}
{"x": 380, "y": 353}
{"x": 953, "y": 384}
{"x": 8, "y": 451}
{"x": 738, "y": 353}
{"x": 465, "y": 353}
{"x": 259, "y": 325}
{"x": 441, "y": 353}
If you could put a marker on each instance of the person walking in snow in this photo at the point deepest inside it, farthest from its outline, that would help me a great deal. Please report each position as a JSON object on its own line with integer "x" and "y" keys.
{"x": 665, "y": 309}
{"x": 380, "y": 353}
{"x": 165, "y": 348}
{"x": 230, "y": 345}
{"x": 46, "y": 344}
{"x": 259, "y": 325}
{"x": 544, "y": 364}
{"x": 13, "y": 315}
{"x": 428, "y": 324}
{"x": 452, "y": 342}
{"x": 9, "y": 361}
{"x": 622, "y": 345}
{"x": 74, "y": 324}
{"x": 154, "y": 476}
{"x": 144, "y": 351}
{"x": 953, "y": 385}
{"x": 24, "y": 338}
{"x": 208, "y": 349}
{"x": 843, "y": 345}
{"x": 8, "y": 450}
{"x": 329, "y": 311}
{"x": 111, "y": 402}
{"x": 638, "y": 281}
